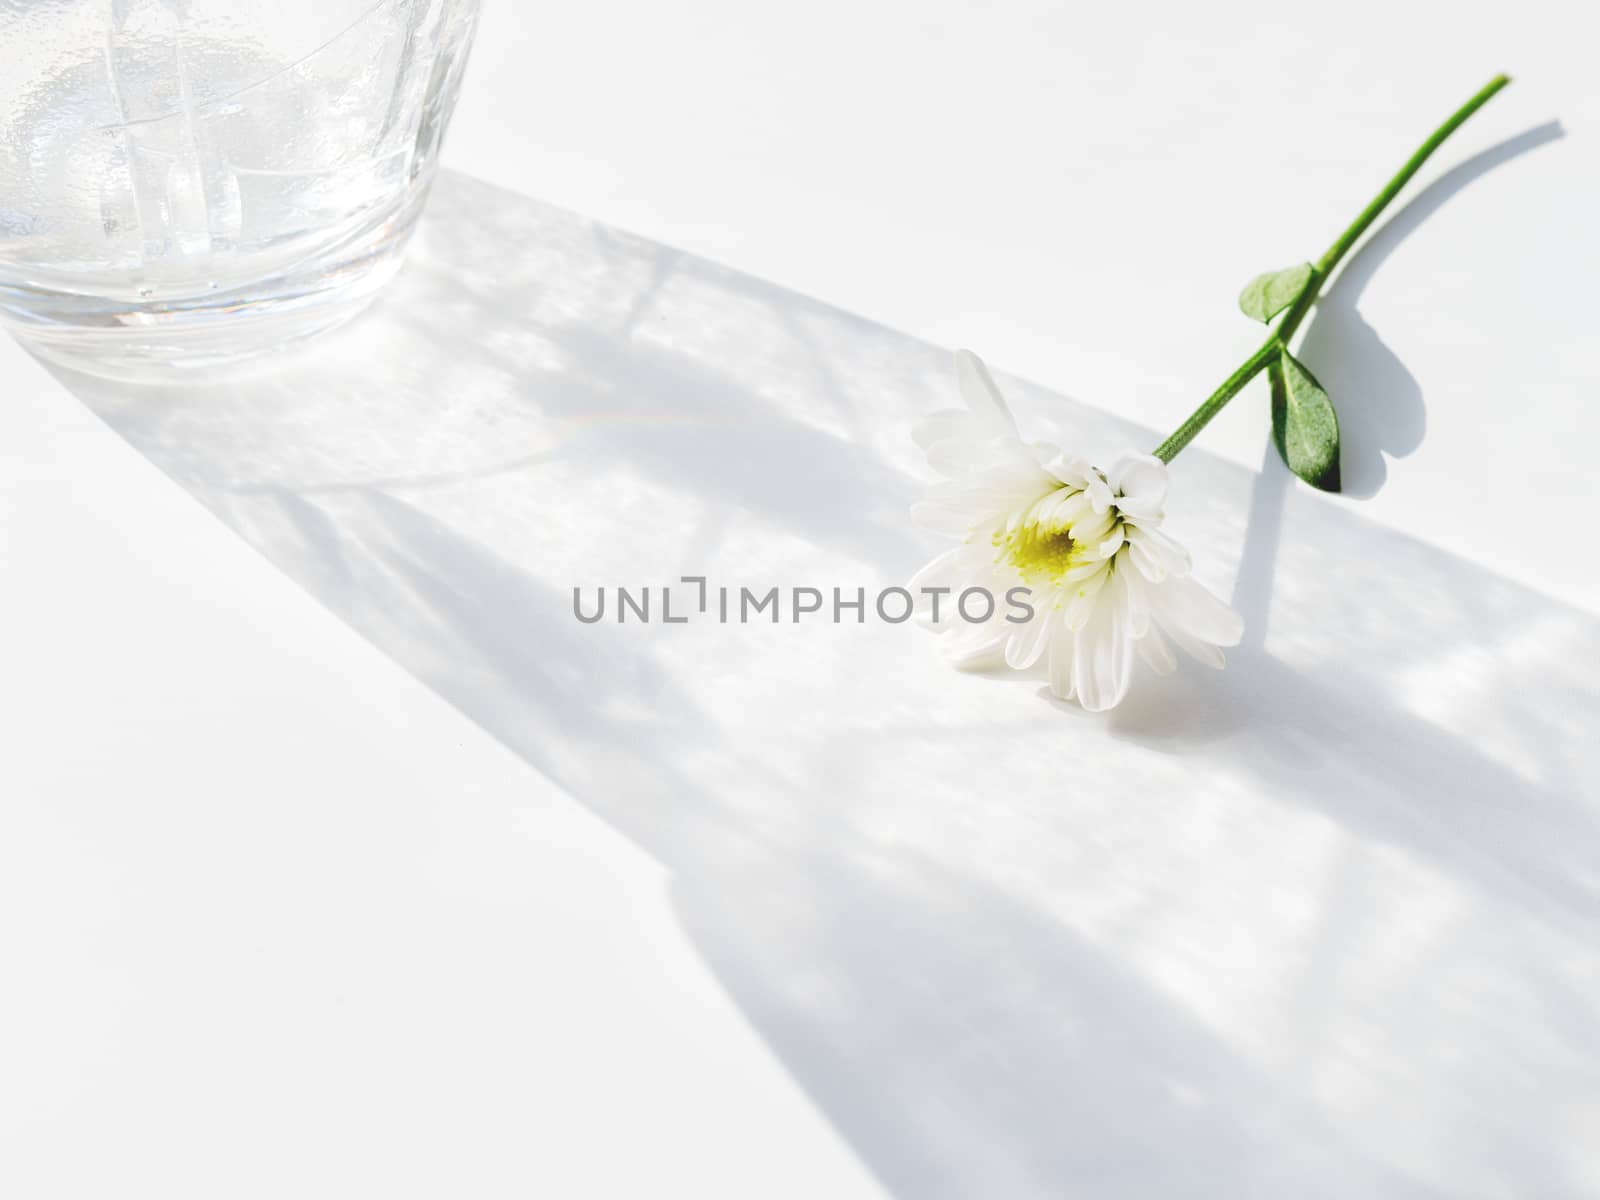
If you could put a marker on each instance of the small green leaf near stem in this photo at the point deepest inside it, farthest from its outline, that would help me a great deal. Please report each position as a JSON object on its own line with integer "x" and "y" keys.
{"x": 1304, "y": 425}
{"x": 1268, "y": 294}
{"x": 1278, "y": 342}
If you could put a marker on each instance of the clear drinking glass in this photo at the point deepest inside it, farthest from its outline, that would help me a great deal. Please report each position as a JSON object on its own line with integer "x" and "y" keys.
{"x": 187, "y": 182}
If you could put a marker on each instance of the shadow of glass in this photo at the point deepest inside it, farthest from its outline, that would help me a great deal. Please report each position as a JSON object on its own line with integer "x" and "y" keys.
{"x": 1381, "y": 409}
{"x": 1329, "y": 916}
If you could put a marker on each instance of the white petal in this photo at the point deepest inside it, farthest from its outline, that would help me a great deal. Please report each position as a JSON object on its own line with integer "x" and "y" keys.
{"x": 1091, "y": 529}
{"x": 976, "y": 655}
{"x": 1061, "y": 653}
{"x": 977, "y": 494}
{"x": 948, "y": 424}
{"x": 1159, "y": 556}
{"x": 1183, "y": 605}
{"x": 1008, "y": 447}
{"x": 951, "y": 569}
{"x": 1139, "y": 478}
{"x": 1011, "y": 479}
{"x": 970, "y": 564}
{"x": 1112, "y": 542}
{"x": 1103, "y": 658}
{"x": 1072, "y": 508}
{"x": 1081, "y": 600}
{"x": 1028, "y": 642}
{"x": 1203, "y": 652}
{"x": 1145, "y": 562}
{"x": 980, "y": 393}
{"x": 1058, "y": 508}
{"x": 1140, "y": 511}
{"x": 1085, "y": 570}
{"x": 1074, "y": 472}
{"x": 1138, "y": 591}
{"x": 1154, "y": 650}
{"x": 1021, "y": 479}
{"x": 989, "y": 496}
{"x": 953, "y": 456}
{"x": 974, "y": 645}
{"x": 1099, "y": 492}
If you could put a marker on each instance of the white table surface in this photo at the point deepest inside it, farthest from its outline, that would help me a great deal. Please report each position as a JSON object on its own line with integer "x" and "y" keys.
{"x": 337, "y": 859}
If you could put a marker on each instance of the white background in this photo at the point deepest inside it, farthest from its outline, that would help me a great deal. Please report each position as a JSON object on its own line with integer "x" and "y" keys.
{"x": 337, "y": 860}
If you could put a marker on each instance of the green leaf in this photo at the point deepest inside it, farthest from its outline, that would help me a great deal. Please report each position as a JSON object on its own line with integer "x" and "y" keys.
{"x": 1304, "y": 424}
{"x": 1265, "y": 296}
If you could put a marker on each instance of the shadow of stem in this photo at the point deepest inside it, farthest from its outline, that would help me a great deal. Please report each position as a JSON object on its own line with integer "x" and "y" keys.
{"x": 1380, "y": 404}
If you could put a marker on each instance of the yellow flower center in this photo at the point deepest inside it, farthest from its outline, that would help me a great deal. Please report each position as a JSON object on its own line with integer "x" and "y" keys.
{"x": 1059, "y": 533}
{"x": 1038, "y": 553}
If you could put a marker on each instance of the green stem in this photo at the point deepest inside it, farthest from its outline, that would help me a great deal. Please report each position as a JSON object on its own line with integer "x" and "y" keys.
{"x": 1230, "y": 388}
{"x": 1278, "y": 342}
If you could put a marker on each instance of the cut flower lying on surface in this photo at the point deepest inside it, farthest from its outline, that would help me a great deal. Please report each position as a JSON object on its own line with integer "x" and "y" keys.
{"x": 1085, "y": 544}
{"x": 1105, "y": 583}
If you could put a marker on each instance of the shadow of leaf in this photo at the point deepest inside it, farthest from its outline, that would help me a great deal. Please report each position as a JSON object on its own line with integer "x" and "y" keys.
{"x": 1380, "y": 404}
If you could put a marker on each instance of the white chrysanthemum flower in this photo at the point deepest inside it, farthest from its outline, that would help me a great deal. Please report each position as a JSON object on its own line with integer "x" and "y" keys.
{"x": 1104, "y": 583}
